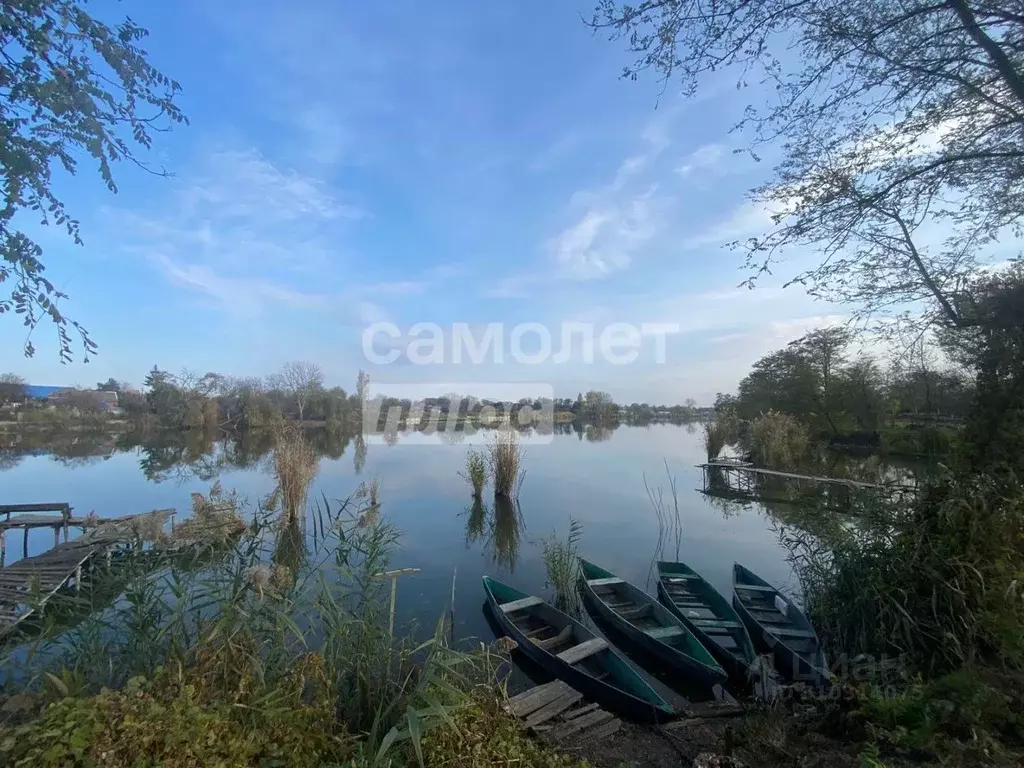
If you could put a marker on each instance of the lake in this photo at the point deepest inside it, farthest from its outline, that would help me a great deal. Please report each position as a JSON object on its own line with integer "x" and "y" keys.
{"x": 595, "y": 475}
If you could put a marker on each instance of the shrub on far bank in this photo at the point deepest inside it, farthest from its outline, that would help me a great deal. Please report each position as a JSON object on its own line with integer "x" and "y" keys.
{"x": 778, "y": 441}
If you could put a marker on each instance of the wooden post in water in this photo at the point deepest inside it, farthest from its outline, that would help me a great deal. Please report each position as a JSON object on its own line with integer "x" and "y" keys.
{"x": 24, "y": 544}
{"x": 393, "y": 575}
{"x": 56, "y": 535}
{"x": 3, "y": 547}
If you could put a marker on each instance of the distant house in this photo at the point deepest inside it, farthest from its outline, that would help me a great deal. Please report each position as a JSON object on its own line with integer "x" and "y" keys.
{"x": 106, "y": 400}
{"x": 35, "y": 392}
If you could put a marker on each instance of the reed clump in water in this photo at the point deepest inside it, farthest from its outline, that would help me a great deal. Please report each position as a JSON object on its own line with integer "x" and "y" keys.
{"x": 561, "y": 561}
{"x": 295, "y": 466}
{"x": 505, "y": 458}
{"x": 475, "y": 472}
{"x": 216, "y": 519}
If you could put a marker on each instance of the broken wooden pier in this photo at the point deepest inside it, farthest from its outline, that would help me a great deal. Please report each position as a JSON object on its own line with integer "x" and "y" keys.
{"x": 556, "y": 711}
{"x": 27, "y": 584}
{"x": 729, "y": 478}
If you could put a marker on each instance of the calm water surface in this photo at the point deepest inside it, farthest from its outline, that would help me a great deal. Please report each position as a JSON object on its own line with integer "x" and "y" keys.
{"x": 596, "y": 477}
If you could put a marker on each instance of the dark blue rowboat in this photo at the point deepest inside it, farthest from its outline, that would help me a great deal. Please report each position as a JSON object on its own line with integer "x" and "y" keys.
{"x": 648, "y": 624}
{"x": 566, "y": 649}
{"x": 775, "y": 622}
{"x": 710, "y": 617}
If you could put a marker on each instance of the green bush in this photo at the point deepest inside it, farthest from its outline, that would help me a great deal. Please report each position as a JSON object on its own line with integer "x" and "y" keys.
{"x": 485, "y": 737}
{"x": 176, "y": 723}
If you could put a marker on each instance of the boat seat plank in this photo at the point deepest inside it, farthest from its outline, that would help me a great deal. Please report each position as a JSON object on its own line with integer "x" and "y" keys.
{"x": 716, "y": 624}
{"x": 561, "y": 637}
{"x": 791, "y": 632}
{"x": 680, "y": 577}
{"x": 582, "y": 651}
{"x": 691, "y": 605}
{"x": 635, "y": 613}
{"x": 755, "y": 588}
{"x": 604, "y": 582}
{"x": 663, "y": 633}
{"x": 518, "y": 605}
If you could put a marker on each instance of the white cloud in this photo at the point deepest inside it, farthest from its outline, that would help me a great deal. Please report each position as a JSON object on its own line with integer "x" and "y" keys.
{"x": 246, "y": 232}
{"x": 705, "y": 157}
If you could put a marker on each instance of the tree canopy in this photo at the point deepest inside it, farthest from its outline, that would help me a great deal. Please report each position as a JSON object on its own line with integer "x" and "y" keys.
{"x": 71, "y": 87}
{"x": 900, "y": 124}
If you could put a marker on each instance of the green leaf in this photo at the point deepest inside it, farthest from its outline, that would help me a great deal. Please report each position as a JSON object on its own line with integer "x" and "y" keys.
{"x": 415, "y": 734}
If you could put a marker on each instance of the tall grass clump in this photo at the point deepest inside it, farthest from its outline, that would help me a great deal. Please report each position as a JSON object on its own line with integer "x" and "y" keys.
{"x": 936, "y": 581}
{"x": 716, "y": 437}
{"x": 505, "y": 458}
{"x": 778, "y": 441}
{"x": 295, "y": 466}
{"x": 476, "y": 471}
{"x": 561, "y": 561}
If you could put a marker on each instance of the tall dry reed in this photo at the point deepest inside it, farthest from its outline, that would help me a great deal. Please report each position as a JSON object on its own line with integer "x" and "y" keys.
{"x": 506, "y": 463}
{"x": 295, "y": 466}
{"x": 778, "y": 441}
{"x": 561, "y": 561}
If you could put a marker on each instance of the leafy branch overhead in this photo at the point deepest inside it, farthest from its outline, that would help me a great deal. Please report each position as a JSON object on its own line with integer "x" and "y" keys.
{"x": 900, "y": 125}
{"x": 71, "y": 88}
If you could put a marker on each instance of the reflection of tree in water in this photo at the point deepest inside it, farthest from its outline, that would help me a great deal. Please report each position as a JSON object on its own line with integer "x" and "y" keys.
{"x": 331, "y": 443}
{"x": 391, "y": 437}
{"x": 359, "y": 454}
{"x": 597, "y": 433}
{"x": 181, "y": 455}
{"x": 9, "y": 459}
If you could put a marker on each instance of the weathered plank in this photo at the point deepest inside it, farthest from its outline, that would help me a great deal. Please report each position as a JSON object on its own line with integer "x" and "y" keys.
{"x": 580, "y": 723}
{"x": 582, "y": 651}
{"x": 518, "y": 605}
{"x": 556, "y": 707}
{"x": 535, "y": 698}
{"x": 663, "y": 633}
{"x": 604, "y": 730}
{"x": 573, "y": 713}
{"x": 604, "y": 582}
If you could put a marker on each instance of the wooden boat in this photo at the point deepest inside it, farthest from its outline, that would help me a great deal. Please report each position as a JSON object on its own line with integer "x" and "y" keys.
{"x": 565, "y": 648}
{"x": 710, "y": 617}
{"x": 780, "y": 626}
{"x": 648, "y": 624}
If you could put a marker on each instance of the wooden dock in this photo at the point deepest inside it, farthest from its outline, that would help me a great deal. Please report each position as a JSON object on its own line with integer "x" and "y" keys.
{"x": 737, "y": 479}
{"x": 555, "y": 711}
{"x": 27, "y": 584}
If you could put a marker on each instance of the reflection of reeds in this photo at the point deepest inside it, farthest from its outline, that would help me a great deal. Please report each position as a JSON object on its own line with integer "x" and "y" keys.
{"x": 506, "y": 532}
{"x": 290, "y": 547}
{"x": 561, "y": 560}
{"x": 476, "y": 519}
{"x": 506, "y": 460}
{"x": 476, "y": 471}
{"x": 295, "y": 466}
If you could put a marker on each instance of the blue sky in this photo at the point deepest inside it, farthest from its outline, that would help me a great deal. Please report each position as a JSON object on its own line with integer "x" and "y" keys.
{"x": 455, "y": 162}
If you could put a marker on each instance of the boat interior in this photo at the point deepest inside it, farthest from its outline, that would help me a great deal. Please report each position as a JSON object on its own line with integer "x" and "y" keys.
{"x": 698, "y": 609}
{"x": 621, "y": 599}
{"x": 566, "y": 642}
{"x": 761, "y": 603}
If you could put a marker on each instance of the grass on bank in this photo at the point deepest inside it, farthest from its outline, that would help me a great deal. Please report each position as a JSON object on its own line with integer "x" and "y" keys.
{"x": 245, "y": 663}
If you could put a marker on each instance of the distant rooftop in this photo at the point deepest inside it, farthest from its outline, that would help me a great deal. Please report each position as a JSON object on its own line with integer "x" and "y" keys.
{"x": 39, "y": 392}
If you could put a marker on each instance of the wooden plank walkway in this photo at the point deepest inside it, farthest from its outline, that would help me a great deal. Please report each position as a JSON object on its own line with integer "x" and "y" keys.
{"x": 26, "y": 585}
{"x": 556, "y": 711}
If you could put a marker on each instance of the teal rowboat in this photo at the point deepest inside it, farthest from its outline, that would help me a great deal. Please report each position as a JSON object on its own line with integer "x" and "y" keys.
{"x": 709, "y": 616}
{"x": 780, "y": 626}
{"x": 568, "y": 650}
{"x": 648, "y": 625}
